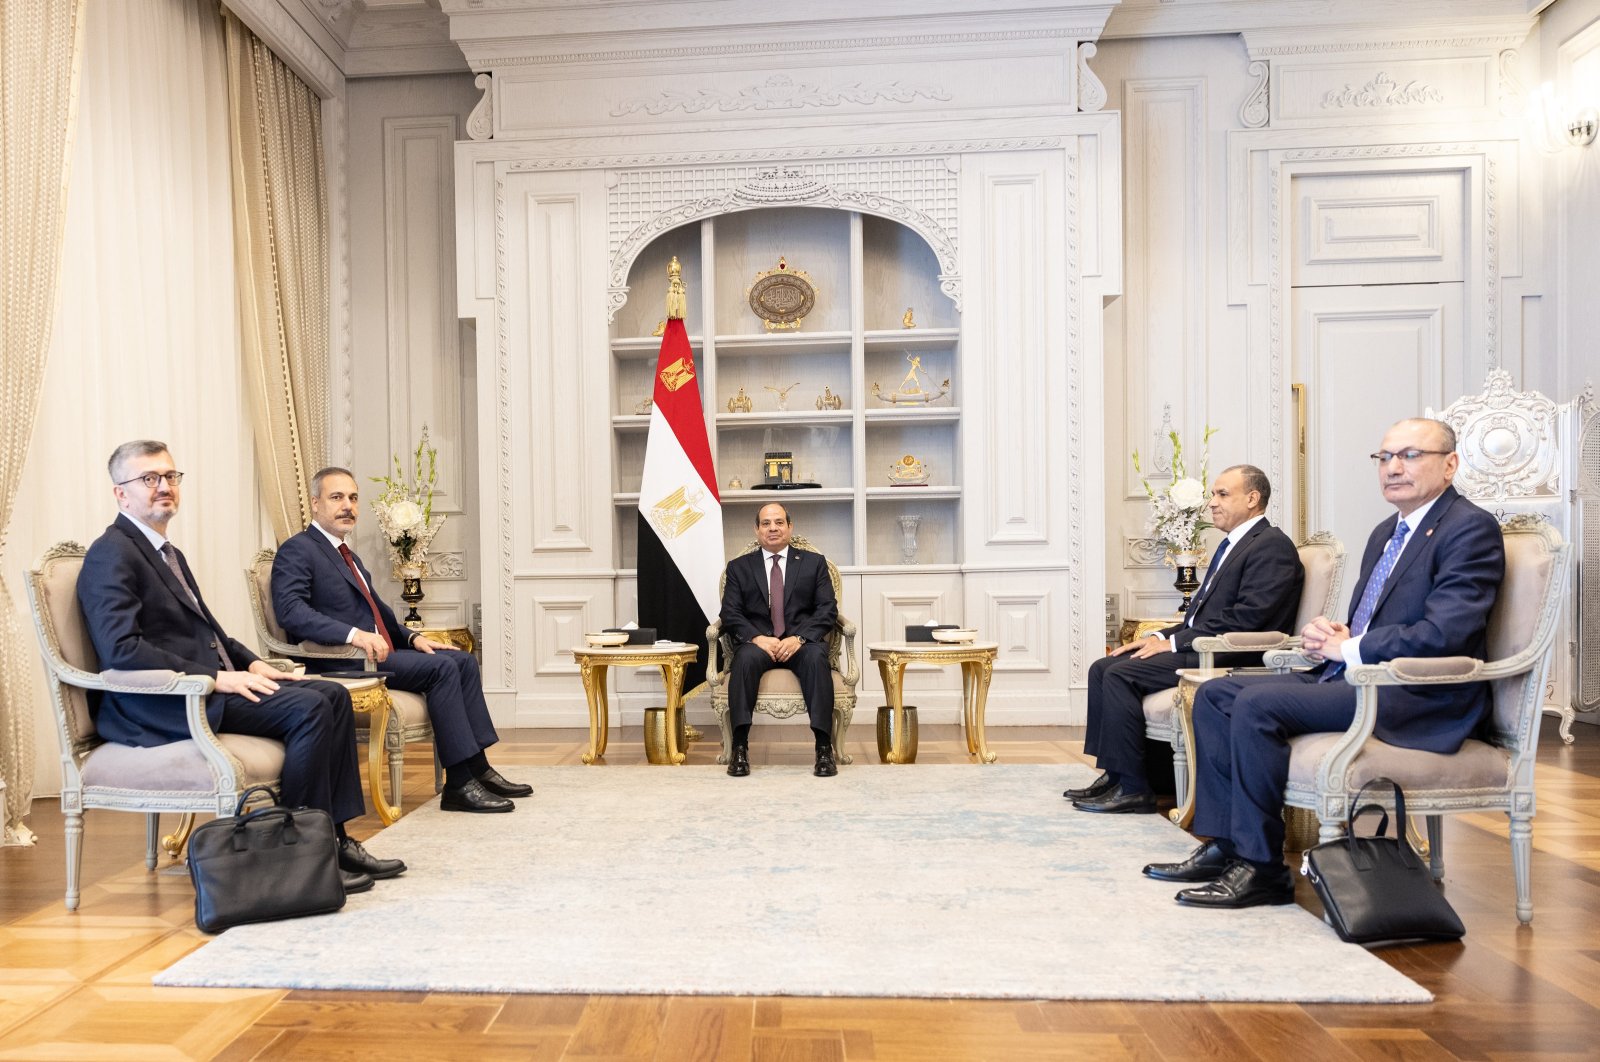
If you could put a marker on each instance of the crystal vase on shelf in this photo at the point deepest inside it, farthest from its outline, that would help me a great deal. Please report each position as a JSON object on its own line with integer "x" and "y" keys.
{"x": 1187, "y": 562}
{"x": 908, "y": 538}
{"x": 411, "y": 593}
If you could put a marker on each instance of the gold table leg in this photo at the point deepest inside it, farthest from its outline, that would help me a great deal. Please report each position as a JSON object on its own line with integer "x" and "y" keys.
{"x": 672, "y": 677}
{"x": 975, "y": 675}
{"x": 376, "y": 703}
{"x": 892, "y": 670}
{"x": 1183, "y": 814}
{"x": 594, "y": 689}
{"x": 173, "y": 842}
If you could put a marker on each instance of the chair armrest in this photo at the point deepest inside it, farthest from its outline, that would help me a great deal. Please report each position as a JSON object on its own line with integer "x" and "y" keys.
{"x": 716, "y": 672}
{"x": 1290, "y": 656}
{"x": 280, "y": 663}
{"x": 852, "y": 672}
{"x": 152, "y": 681}
{"x": 1416, "y": 671}
{"x": 1208, "y": 645}
{"x": 318, "y": 651}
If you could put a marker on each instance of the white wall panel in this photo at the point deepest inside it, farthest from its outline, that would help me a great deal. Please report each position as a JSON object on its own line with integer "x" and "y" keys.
{"x": 1383, "y": 227}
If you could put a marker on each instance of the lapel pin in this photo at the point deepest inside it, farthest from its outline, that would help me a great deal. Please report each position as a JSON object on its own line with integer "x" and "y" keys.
{"x": 1428, "y": 533}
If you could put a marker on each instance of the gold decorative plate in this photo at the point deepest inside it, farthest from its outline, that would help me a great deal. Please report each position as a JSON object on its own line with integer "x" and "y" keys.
{"x": 782, "y": 297}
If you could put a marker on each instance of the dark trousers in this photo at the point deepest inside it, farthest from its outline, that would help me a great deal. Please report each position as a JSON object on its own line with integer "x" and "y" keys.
{"x": 1242, "y": 730}
{"x": 316, "y": 724}
{"x": 1118, "y": 686}
{"x": 453, "y": 685}
{"x": 810, "y": 667}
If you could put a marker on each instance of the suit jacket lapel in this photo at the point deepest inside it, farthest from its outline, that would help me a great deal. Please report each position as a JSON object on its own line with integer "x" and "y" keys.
{"x": 164, "y": 573}
{"x": 1234, "y": 552}
{"x": 1417, "y": 543}
{"x": 330, "y": 551}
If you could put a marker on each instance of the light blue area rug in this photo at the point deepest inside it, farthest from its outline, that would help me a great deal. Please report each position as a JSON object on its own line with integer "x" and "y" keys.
{"x": 934, "y": 881}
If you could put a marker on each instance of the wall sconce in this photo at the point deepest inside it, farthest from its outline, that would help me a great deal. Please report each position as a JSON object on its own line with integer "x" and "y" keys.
{"x": 1558, "y": 123}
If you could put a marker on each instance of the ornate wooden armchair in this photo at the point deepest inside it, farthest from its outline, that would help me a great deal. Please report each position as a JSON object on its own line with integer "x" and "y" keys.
{"x": 206, "y": 773}
{"x": 1496, "y": 773}
{"x": 407, "y": 717}
{"x": 1166, "y": 717}
{"x": 779, "y": 692}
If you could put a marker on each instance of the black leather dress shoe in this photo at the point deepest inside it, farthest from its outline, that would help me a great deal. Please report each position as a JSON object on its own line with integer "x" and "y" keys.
{"x": 472, "y": 796}
{"x": 1205, "y": 863}
{"x": 499, "y": 785}
{"x": 1093, "y": 789}
{"x": 825, "y": 767}
{"x": 354, "y": 883}
{"x": 739, "y": 761}
{"x": 1243, "y": 885}
{"x": 1118, "y": 801}
{"x": 357, "y": 860}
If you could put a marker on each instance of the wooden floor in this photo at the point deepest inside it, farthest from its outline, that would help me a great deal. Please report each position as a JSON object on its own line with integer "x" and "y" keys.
{"x": 77, "y": 986}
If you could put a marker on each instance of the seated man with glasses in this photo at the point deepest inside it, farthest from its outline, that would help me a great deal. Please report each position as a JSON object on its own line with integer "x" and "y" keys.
{"x": 1429, "y": 577}
{"x": 144, "y": 611}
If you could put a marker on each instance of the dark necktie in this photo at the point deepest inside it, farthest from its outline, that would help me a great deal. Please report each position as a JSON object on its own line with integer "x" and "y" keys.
{"x": 366, "y": 592}
{"x": 775, "y": 597}
{"x": 1205, "y": 587}
{"x": 1373, "y": 590}
{"x": 169, "y": 553}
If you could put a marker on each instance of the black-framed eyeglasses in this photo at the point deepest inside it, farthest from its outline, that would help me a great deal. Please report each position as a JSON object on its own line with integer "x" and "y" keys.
{"x": 1410, "y": 457}
{"x": 150, "y": 479}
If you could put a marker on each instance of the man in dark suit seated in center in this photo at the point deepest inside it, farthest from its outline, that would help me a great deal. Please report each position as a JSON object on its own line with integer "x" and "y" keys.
{"x": 322, "y": 593}
{"x": 778, "y": 605}
{"x": 1252, "y": 584}
{"x": 1429, "y": 577}
{"x": 143, "y": 609}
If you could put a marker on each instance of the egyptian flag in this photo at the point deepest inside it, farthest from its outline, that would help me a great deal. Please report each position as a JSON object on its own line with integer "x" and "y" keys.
{"x": 680, "y": 513}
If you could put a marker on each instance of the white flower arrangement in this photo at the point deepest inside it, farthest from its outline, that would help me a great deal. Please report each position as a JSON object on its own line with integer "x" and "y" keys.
{"x": 1177, "y": 511}
{"x": 405, "y": 510}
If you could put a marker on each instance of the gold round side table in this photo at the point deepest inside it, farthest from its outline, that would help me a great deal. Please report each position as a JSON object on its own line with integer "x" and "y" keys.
{"x": 976, "y": 660}
{"x": 663, "y": 741}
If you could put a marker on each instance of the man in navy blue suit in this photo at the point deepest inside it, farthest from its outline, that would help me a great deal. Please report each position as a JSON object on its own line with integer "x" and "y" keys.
{"x": 778, "y": 605}
{"x": 322, "y": 593}
{"x": 1429, "y": 577}
{"x": 1253, "y": 584}
{"x": 143, "y": 610}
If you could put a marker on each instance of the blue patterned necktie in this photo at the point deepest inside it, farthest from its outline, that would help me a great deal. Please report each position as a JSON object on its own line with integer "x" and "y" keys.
{"x": 1205, "y": 587}
{"x": 1372, "y": 591}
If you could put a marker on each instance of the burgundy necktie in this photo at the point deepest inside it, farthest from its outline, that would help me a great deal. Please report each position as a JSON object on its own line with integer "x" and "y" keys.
{"x": 775, "y": 595}
{"x": 377, "y": 617}
{"x": 169, "y": 553}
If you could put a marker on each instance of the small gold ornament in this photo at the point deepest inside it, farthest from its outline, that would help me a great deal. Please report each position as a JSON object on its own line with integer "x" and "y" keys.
{"x": 782, "y": 393}
{"x": 828, "y": 400}
{"x": 782, "y": 297}
{"x": 740, "y": 403}
{"x": 908, "y": 472}
{"x": 661, "y": 329}
{"x": 908, "y": 321}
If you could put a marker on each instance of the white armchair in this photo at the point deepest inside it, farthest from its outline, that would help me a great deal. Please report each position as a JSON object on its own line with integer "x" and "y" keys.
{"x": 205, "y": 773}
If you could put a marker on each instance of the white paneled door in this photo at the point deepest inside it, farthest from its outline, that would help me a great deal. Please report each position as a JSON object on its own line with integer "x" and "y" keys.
{"x": 1368, "y": 356}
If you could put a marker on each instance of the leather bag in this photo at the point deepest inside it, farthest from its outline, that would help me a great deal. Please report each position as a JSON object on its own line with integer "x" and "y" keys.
{"x": 1377, "y": 889}
{"x": 273, "y": 863}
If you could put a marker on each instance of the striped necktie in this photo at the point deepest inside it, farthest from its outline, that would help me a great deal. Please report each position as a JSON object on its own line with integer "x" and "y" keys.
{"x": 1373, "y": 590}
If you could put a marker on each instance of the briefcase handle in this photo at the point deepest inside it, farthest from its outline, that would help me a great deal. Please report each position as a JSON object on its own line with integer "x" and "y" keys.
{"x": 291, "y": 834}
{"x": 1360, "y": 858}
{"x": 244, "y": 797}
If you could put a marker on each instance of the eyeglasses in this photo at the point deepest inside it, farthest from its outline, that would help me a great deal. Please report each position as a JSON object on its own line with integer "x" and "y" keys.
{"x": 150, "y": 479}
{"x": 1410, "y": 457}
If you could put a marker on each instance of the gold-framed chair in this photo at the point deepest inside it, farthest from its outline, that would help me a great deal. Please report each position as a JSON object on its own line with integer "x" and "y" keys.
{"x": 1326, "y": 771}
{"x": 408, "y": 717}
{"x": 779, "y": 693}
{"x": 203, "y": 774}
{"x": 1166, "y": 715}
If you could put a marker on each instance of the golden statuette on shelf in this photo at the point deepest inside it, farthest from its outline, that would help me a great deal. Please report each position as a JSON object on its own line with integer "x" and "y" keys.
{"x": 908, "y": 321}
{"x": 677, "y": 297}
{"x": 740, "y": 403}
{"x": 909, "y": 472}
{"x": 782, "y": 297}
{"x": 828, "y": 400}
{"x": 915, "y": 389}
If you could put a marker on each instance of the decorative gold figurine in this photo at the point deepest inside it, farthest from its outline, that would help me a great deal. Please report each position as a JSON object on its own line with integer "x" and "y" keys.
{"x": 908, "y": 321}
{"x": 735, "y": 483}
{"x": 661, "y": 328}
{"x": 782, "y": 297}
{"x": 677, "y": 297}
{"x": 782, "y": 393}
{"x": 908, "y": 472}
{"x": 643, "y": 407}
{"x": 912, "y": 391}
{"x": 828, "y": 400}
{"x": 740, "y": 403}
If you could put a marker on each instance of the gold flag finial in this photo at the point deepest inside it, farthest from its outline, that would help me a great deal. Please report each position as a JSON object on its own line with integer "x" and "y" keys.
{"x": 677, "y": 298}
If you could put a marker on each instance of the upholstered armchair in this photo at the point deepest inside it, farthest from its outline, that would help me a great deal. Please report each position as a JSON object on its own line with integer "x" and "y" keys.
{"x": 1493, "y": 774}
{"x": 779, "y": 692}
{"x": 205, "y": 773}
{"x": 408, "y": 717}
{"x": 1165, "y": 716}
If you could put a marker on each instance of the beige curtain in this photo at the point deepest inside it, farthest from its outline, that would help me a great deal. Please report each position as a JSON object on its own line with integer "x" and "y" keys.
{"x": 41, "y": 45}
{"x": 280, "y": 210}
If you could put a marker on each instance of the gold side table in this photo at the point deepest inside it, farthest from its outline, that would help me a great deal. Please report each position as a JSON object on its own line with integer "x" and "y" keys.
{"x": 976, "y": 660}
{"x": 370, "y": 697}
{"x": 671, "y": 659}
{"x": 1133, "y": 628}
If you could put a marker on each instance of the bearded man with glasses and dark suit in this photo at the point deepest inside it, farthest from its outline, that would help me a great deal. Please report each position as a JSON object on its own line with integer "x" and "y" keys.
{"x": 144, "y": 611}
{"x": 1429, "y": 577}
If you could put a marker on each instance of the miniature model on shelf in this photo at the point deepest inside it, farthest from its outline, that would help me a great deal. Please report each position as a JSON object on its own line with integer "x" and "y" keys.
{"x": 912, "y": 390}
